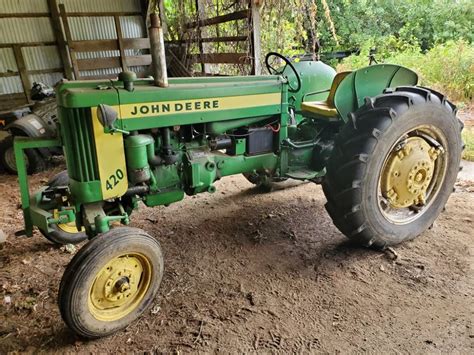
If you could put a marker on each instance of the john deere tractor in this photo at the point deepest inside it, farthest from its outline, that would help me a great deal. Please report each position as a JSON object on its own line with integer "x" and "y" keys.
{"x": 386, "y": 151}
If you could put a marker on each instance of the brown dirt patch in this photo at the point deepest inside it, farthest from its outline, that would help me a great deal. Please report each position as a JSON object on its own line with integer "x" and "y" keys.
{"x": 247, "y": 271}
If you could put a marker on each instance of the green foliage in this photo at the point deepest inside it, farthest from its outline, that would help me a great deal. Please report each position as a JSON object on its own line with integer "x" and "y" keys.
{"x": 468, "y": 138}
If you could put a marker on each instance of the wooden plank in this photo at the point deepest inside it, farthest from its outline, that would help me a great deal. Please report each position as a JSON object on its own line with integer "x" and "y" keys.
{"x": 58, "y": 31}
{"x": 9, "y": 74}
{"x": 221, "y": 58}
{"x": 118, "y": 30}
{"x": 46, "y": 71}
{"x": 243, "y": 14}
{"x": 139, "y": 60}
{"x": 212, "y": 39}
{"x": 255, "y": 38}
{"x": 24, "y": 14}
{"x": 200, "y": 15}
{"x": 28, "y": 44}
{"x": 20, "y": 63}
{"x": 11, "y": 101}
{"x": 136, "y": 43}
{"x": 95, "y": 45}
{"x": 104, "y": 14}
{"x": 39, "y": 71}
{"x": 140, "y": 74}
{"x": 67, "y": 33}
{"x": 98, "y": 63}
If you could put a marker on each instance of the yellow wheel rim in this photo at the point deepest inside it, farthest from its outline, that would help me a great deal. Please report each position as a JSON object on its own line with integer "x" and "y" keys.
{"x": 408, "y": 173}
{"x": 120, "y": 286}
{"x": 67, "y": 227}
{"x": 412, "y": 174}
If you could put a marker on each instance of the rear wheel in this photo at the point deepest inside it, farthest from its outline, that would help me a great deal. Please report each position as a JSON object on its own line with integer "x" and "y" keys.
{"x": 393, "y": 167}
{"x": 33, "y": 160}
{"x": 64, "y": 233}
{"x": 110, "y": 282}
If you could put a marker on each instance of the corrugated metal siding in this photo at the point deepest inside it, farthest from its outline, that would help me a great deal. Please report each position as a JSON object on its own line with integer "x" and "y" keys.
{"x": 7, "y": 60}
{"x": 46, "y": 57}
{"x": 39, "y": 29}
{"x": 101, "y": 5}
{"x": 21, "y": 30}
{"x": 18, "y": 6}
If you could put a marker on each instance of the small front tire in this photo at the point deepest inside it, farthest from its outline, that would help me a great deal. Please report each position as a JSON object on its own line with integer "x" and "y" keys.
{"x": 66, "y": 233}
{"x": 110, "y": 282}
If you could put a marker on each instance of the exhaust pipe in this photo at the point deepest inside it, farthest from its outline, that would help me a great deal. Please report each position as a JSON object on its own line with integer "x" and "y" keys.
{"x": 158, "y": 56}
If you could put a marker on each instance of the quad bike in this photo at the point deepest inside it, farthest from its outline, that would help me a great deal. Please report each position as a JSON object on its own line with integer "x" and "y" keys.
{"x": 38, "y": 121}
{"x": 386, "y": 151}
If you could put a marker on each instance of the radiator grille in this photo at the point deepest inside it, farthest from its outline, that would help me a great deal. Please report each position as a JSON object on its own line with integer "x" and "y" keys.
{"x": 79, "y": 144}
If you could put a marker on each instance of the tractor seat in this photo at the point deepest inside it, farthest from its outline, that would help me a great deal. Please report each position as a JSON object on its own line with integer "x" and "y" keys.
{"x": 324, "y": 108}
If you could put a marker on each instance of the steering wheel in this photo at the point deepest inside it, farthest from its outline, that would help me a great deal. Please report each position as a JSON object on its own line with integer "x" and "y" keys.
{"x": 280, "y": 71}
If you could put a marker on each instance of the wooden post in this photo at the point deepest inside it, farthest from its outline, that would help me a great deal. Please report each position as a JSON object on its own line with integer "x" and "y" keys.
{"x": 57, "y": 28}
{"x": 201, "y": 15}
{"x": 255, "y": 6}
{"x": 20, "y": 63}
{"x": 118, "y": 29}
{"x": 67, "y": 32}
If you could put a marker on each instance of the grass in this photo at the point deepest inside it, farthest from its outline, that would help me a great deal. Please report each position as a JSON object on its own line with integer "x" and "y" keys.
{"x": 468, "y": 137}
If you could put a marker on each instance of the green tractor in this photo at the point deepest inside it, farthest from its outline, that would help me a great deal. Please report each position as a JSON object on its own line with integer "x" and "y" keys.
{"x": 386, "y": 151}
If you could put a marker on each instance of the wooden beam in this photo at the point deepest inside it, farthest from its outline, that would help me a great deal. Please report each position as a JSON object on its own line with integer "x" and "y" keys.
{"x": 255, "y": 37}
{"x": 96, "y": 45}
{"x": 118, "y": 29}
{"x": 69, "y": 41}
{"x": 28, "y": 44}
{"x": 139, "y": 60}
{"x": 98, "y": 63}
{"x": 9, "y": 101}
{"x": 242, "y": 14}
{"x": 104, "y": 14}
{"x": 30, "y": 72}
{"x": 221, "y": 58}
{"x": 9, "y": 74}
{"x": 24, "y": 14}
{"x": 58, "y": 31}
{"x": 211, "y": 39}
{"x": 136, "y": 43}
{"x": 25, "y": 80}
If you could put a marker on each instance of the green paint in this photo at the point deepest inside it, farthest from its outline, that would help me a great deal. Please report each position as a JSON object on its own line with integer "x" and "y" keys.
{"x": 163, "y": 166}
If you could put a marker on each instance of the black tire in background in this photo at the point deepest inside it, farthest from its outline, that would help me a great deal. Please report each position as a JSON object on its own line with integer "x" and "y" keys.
{"x": 361, "y": 150}
{"x": 81, "y": 282}
{"x": 34, "y": 161}
{"x": 63, "y": 234}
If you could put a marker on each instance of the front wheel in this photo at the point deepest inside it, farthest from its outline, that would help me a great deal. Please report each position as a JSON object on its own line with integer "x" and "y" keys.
{"x": 393, "y": 167}
{"x": 63, "y": 233}
{"x": 110, "y": 282}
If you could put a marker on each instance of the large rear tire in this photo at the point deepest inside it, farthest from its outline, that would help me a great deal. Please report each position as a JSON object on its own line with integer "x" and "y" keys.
{"x": 34, "y": 162}
{"x": 393, "y": 167}
{"x": 110, "y": 282}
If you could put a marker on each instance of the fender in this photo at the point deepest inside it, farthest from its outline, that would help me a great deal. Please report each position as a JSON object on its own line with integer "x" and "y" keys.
{"x": 369, "y": 82}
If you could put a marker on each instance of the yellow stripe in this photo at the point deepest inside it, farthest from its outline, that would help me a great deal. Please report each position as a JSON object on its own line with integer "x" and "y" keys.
{"x": 110, "y": 159}
{"x": 151, "y": 109}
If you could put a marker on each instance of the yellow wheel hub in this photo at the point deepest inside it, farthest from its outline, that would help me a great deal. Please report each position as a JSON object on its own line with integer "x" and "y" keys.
{"x": 408, "y": 172}
{"x": 67, "y": 227}
{"x": 119, "y": 287}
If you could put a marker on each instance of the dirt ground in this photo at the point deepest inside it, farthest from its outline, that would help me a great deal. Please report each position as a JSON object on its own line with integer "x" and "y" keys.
{"x": 248, "y": 271}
